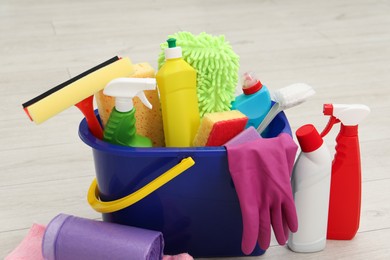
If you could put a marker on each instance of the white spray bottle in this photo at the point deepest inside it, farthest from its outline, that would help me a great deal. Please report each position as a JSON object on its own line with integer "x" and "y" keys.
{"x": 120, "y": 128}
{"x": 311, "y": 187}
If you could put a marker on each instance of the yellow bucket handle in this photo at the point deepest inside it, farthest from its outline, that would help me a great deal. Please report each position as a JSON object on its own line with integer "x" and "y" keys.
{"x": 115, "y": 205}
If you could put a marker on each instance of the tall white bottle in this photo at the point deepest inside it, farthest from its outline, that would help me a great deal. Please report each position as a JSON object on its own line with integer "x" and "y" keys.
{"x": 311, "y": 188}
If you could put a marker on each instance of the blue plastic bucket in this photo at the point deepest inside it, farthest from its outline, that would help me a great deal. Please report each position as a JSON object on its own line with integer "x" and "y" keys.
{"x": 198, "y": 211}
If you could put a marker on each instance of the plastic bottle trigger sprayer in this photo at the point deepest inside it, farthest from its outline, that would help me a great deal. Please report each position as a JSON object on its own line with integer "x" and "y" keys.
{"x": 120, "y": 128}
{"x": 345, "y": 188}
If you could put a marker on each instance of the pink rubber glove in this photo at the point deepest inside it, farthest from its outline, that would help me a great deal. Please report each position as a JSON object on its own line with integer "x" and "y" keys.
{"x": 261, "y": 171}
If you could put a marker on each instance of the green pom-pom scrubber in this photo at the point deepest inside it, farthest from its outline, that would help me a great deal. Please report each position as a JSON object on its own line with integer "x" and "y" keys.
{"x": 216, "y": 65}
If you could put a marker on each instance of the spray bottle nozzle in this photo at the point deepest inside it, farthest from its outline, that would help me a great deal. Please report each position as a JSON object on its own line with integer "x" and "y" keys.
{"x": 124, "y": 89}
{"x": 347, "y": 114}
{"x": 328, "y": 109}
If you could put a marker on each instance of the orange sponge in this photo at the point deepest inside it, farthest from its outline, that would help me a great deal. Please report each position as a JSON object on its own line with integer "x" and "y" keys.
{"x": 217, "y": 128}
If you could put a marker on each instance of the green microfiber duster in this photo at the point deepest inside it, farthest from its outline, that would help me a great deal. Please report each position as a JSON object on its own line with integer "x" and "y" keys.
{"x": 216, "y": 65}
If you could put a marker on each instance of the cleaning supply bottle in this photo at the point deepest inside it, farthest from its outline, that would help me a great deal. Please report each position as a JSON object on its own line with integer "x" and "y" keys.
{"x": 176, "y": 82}
{"x": 255, "y": 102}
{"x": 345, "y": 188}
{"x": 120, "y": 128}
{"x": 311, "y": 186}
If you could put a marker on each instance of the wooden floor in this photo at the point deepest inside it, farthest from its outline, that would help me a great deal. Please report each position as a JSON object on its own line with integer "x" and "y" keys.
{"x": 340, "y": 47}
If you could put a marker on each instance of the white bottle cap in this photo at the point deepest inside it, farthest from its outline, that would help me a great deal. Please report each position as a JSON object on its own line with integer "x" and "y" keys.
{"x": 172, "y": 52}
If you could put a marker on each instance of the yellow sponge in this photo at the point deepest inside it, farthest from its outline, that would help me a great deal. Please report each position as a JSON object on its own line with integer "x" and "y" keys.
{"x": 148, "y": 121}
{"x": 219, "y": 127}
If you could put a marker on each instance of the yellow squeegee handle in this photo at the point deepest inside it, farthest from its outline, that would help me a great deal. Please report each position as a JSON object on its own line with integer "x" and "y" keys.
{"x": 115, "y": 205}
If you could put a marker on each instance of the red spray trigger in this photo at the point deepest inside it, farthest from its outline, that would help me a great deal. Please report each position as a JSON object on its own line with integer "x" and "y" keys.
{"x": 328, "y": 111}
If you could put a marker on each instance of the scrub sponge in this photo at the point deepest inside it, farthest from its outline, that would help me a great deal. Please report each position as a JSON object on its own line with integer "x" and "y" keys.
{"x": 216, "y": 65}
{"x": 219, "y": 127}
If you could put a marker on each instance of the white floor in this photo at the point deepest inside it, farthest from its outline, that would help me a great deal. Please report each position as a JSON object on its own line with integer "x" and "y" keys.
{"x": 340, "y": 47}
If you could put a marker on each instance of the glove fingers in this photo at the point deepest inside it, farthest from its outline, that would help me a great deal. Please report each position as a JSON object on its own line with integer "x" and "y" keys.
{"x": 277, "y": 224}
{"x": 264, "y": 238}
{"x": 290, "y": 214}
{"x": 250, "y": 220}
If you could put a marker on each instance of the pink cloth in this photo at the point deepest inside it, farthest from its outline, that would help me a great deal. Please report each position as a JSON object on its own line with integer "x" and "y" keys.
{"x": 31, "y": 246}
{"x": 261, "y": 171}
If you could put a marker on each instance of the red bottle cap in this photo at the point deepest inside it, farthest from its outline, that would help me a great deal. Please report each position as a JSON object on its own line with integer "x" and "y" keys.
{"x": 253, "y": 89}
{"x": 309, "y": 139}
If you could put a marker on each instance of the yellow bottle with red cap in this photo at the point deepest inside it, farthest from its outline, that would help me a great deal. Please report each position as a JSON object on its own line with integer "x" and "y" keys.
{"x": 176, "y": 82}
